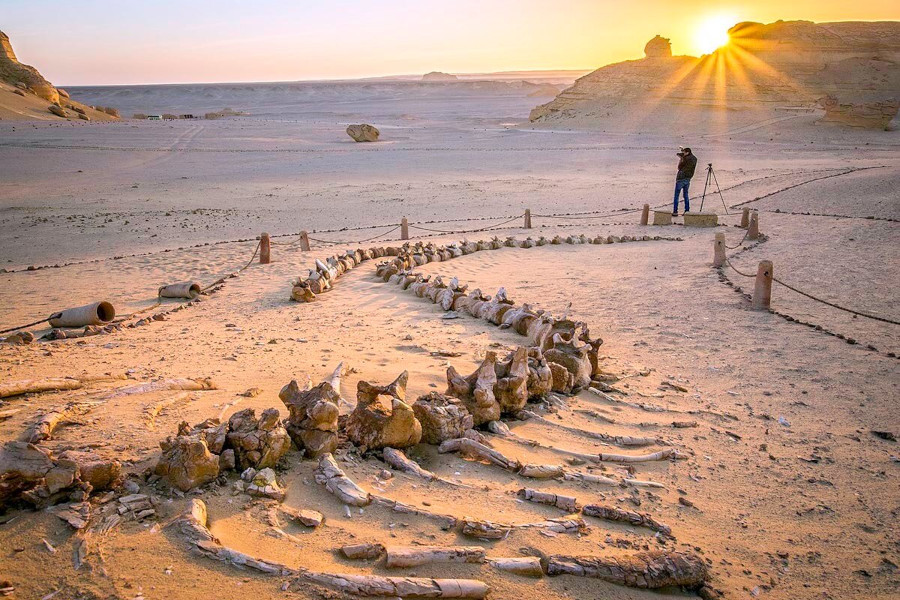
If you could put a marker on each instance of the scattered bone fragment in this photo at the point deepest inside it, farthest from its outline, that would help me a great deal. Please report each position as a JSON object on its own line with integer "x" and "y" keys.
{"x": 543, "y": 471}
{"x": 589, "y": 478}
{"x": 77, "y": 515}
{"x": 445, "y": 522}
{"x": 414, "y": 556}
{"x": 566, "y": 503}
{"x": 193, "y": 522}
{"x": 213, "y": 549}
{"x": 473, "y": 449}
{"x": 484, "y": 530}
{"x": 310, "y": 518}
{"x": 382, "y": 418}
{"x": 527, "y": 566}
{"x": 643, "y": 483}
{"x": 263, "y": 483}
{"x": 649, "y": 570}
{"x": 335, "y": 481}
{"x": 612, "y": 513}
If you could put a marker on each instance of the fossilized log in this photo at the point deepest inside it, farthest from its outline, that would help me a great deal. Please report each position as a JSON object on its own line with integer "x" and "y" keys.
{"x": 611, "y": 513}
{"x": 33, "y": 386}
{"x": 649, "y": 570}
{"x": 335, "y": 481}
{"x": 567, "y": 503}
{"x": 414, "y": 556}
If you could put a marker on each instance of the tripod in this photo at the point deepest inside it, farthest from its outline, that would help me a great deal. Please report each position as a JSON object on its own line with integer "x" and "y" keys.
{"x": 711, "y": 178}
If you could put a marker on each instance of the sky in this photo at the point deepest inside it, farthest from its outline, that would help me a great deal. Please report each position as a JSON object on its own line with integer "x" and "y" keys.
{"x": 93, "y": 42}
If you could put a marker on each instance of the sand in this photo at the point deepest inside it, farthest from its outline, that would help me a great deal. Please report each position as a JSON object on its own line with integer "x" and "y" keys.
{"x": 800, "y": 511}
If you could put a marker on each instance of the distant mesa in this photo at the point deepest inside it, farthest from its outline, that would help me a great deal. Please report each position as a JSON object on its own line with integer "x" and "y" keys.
{"x": 34, "y": 92}
{"x": 658, "y": 47}
{"x": 849, "y": 73}
{"x": 363, "y": 133}
{"x": 545, "y": 90}
{"x": 438, "y": 76}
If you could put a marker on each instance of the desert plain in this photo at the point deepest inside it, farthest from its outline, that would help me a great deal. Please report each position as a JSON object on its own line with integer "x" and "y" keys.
{"x": 782, "y": 487}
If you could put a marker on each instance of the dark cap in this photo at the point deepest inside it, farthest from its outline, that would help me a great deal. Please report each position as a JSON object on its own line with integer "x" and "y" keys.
{"x": 686, "y": 150}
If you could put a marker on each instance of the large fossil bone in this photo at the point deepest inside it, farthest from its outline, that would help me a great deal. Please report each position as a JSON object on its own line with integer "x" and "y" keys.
{"x": 442, "y": 417}
{"x": 511, "y": 390}
{"x": 650, "y": 570}
{"x": 382, "y": 418}
{"x": 312, "y": 419}
{"x": 574, "y": 357}
{"x": 612, "y": 513}
{"x": 477, "y": 390}
{"x": 414, "y": 556}
{"x": 329, "y": 474}
{"x": 257, "y": 443}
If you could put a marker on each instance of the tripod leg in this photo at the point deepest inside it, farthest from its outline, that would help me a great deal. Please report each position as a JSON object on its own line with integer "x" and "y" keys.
{"x": 719, "y": 189}
{"x": 705, "y": 185}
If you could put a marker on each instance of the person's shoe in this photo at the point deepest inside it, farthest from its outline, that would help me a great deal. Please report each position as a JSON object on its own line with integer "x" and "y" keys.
{"x": 674, "y": 214}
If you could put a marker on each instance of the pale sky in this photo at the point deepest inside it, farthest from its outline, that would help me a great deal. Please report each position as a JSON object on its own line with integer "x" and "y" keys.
{"x": 82, "y": 42}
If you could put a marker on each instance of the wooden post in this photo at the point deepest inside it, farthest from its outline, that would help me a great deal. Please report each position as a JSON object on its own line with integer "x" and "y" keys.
{"x": 404, "y": 229}
{"x": 745, "y": 217}
{"x": 645, "y": 214}
{"x": 265, "y": 249}
{"x": 753, "y": 227}
{"x": 527, "y": 218}
{"x": 762, "y": 293}
{"x": 719, "y": 250}
{"x": 304, "y": 240}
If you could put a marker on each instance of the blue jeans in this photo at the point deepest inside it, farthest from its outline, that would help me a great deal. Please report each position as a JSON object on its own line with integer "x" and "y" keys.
{"x": 682, "y": 184}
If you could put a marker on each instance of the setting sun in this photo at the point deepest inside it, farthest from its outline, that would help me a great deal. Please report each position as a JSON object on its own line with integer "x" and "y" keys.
{"x": 712, "y": 33}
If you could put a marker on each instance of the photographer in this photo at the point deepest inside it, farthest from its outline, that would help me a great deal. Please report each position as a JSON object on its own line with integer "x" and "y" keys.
{"x": 687, "y": 163}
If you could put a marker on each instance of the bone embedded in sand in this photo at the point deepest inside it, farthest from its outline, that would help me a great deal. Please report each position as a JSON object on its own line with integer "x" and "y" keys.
{"x": 527, "y": 566}
{"x": 477, "y": 390}
{"x": 480, "y": 452}
{"x": 648, "y": 570}
{"x": 362, "y": 551}
{"x": 33, "y": 386}
{"x": 414, "y": 556}
{"x": 400, "y": 587}
{"x": 442, "y": 417}
{"x": 634, "y": 458}
{"x": 335, "y": 481}
{"x": 612, "y": 513}
{"x": 484, "y": 530}
{"x": 401, "y": 462}
{"x": 566, "y": 503}
{"x": 313, "y": 414}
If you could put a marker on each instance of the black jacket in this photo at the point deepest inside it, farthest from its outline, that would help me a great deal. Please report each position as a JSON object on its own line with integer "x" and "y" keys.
{"x": 686, "y": 166}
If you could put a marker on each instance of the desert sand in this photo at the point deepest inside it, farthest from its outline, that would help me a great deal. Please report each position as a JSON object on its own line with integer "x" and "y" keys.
{"x": 785, "y": 491}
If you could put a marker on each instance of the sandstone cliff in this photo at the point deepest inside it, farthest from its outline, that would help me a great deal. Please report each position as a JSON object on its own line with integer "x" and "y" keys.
{"x": 849, "y": 70}
{"x": 438, "y": 76}
{"x": 25, "y": 94}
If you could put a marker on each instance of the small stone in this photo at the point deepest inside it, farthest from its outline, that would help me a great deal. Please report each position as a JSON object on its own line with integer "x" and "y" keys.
{"x": 310, "y": 518}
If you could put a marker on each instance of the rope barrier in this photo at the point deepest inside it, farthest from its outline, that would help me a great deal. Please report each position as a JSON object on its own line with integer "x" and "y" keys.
{"x": 833, "y": 305}
{"x": 740, "y": 243}
{"x": 337, "y": 243}
{"x": 488, "y": 228}
{"x": 11, "y": 329}
{"x": 241, "y": 270}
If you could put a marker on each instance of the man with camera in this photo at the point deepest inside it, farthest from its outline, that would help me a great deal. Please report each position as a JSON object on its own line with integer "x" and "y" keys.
{"x": 687, "y": 163}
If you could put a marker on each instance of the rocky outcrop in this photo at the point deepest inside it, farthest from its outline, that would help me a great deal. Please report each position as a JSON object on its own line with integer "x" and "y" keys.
{"x": 763, "y": 69}
{"x": 14, "y": 72}
{"x": 658, "y": 47}
{"x": 439, "y": 76}
{"x": 363, "y": 133}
